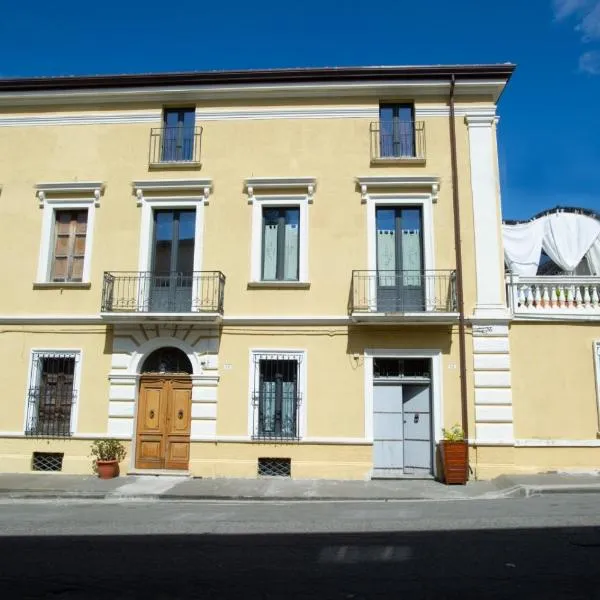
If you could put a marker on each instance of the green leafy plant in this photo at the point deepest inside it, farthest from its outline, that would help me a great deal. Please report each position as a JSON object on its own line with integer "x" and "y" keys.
{"x": 108, "y": 450}
{"x": 454, "y": 434}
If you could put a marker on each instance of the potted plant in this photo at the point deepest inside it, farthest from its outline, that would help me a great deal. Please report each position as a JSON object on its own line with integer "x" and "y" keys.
{"x": 107, "y": 455}
{"x": 455, "y": 455}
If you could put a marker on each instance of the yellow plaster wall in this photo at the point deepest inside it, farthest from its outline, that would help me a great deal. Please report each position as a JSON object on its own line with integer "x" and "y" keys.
{"x": 554, "y": 388}
{"x": 335, "y": 151}
{"x": 16, "y": 344}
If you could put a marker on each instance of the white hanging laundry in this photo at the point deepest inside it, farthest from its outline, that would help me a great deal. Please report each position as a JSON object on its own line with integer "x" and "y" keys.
{"x": 523, "y": 246}
{"x": 568, "y": 237}
{"x": 593, "y": 257}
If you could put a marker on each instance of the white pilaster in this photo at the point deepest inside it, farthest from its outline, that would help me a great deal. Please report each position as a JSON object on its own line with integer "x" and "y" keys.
{"x": 493, "y": 388}
{"x": 486, "y": 216}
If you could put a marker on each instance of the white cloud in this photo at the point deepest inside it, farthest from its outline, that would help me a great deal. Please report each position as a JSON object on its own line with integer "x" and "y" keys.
{"x": 589, "y": 62}
{"x": 566, "y": 8}
{"x": 590, "y": 24}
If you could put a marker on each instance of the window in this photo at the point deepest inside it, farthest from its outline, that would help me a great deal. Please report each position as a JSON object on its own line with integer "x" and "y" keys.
{"x": 69, "y": 210}
{"x": 51, "y": 394}
{"x": 397, "y": 131}
{"x": 178, "y": 135}
{"x": 280, "y": 244}
{"x": 70, "y": 229}
{"x": 277, "y": 380}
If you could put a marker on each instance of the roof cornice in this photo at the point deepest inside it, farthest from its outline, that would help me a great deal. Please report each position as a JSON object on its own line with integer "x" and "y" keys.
{"x": 479, "y": 80}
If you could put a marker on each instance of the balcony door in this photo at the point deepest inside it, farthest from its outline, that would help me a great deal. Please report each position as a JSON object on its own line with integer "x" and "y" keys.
{"x": 178, "y": 138}
{"x": 171, "y": 278}
{"x": 397, "y": 131}
{"x": 400, "y": 281}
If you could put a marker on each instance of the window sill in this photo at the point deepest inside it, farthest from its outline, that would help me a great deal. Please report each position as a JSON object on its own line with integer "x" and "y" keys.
{"x": 279, "y": 285}
{"x": 176, "y": 164}
{"x": 62, "y": 285}
{"x": 400, "y": 160}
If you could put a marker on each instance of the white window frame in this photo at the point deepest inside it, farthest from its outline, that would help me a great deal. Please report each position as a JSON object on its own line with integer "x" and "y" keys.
{"x": 301, "y": 357}
{"x": 78, "y": 356}
{"x": 284, "y": 201}
{"x": 47, "y": 247}
{"x": 425, "y": 203}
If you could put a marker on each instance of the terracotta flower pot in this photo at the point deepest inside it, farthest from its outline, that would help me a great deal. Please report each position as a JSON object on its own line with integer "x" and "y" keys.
{"x": 455, "y": 461}
{"x": 107, "y": 469}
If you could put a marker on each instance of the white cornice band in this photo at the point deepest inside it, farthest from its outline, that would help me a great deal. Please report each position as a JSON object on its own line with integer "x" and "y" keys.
{"x": 201, "y": 187}
{"x": 391, "y": 182}
{"x": 381, "y": 89}
{"x": 256, "y": 184}
{"x": 69, "y": 188}
{"x": 204, "y": 115}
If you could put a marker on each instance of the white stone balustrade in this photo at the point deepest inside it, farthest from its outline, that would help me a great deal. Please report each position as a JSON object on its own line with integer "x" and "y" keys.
{"x": 555, "y": 294}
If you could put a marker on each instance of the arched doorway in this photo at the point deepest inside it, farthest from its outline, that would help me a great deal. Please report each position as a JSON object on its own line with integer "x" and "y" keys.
{"x": 164, "y": 411}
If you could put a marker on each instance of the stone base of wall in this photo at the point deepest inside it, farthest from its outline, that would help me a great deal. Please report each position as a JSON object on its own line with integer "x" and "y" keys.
{"x": 488, "y": 462}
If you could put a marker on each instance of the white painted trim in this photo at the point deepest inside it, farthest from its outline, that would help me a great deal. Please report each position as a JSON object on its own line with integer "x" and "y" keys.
{"x": 143, "y": 350}
{"x": 556, "y": 315}
{"x": 486, "y": 215}
{"x": 435, "y": 382}
{"x": 596, "y": 347}
{"x": 302, "y": 357}
{"x": 109, "y": 118}
{"x": 258, "y": 202}
{"x": 550, "y": 443}
{"x": 94, "y": 188}
{"x": 285, "y": 320}
{"x": 146, "y": 230}
{"x": 74, "y": 436}
{"x": 391, "y": 182}
{"x": 78, "y": 355}
{"x": 49, "y": 207}
{"x": 179, "y": 186}
{"x": 50, "y": 320}
{"x": 253, "y": 184}
{"x": 383, "y": 88}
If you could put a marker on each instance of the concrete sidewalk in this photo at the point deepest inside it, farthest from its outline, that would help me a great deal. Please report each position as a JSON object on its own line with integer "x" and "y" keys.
{"x": 164, "y": 487}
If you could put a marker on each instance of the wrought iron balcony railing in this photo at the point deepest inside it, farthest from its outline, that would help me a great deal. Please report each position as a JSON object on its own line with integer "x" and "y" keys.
{"x": 146, "y": 292}
{"x": 175, "y": 145}
{"x": 395, "y": 140}
{"x": 49, "y": 412}
{"x": 403, "y": 291}
{"x": 276, "y": 418}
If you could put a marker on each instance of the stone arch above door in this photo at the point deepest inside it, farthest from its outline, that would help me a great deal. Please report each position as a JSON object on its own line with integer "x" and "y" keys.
{"x": 166, "y": 360}
{"x": 131, "y": 346}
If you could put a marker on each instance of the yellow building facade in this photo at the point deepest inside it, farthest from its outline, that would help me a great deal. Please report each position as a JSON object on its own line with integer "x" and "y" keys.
{"x": 256, "y": 273}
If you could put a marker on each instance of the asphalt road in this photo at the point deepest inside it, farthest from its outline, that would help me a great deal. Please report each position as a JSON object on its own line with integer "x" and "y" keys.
{"x": 545, "y": 547}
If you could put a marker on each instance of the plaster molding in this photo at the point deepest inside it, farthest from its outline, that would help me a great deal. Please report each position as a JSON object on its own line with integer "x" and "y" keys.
{"x": 254, "y": 184}
{"x": 390, "y": 182}
{"x": 202, "y": 188}
{"x": 382, "y": 88}
{"x": 65, "y": 189}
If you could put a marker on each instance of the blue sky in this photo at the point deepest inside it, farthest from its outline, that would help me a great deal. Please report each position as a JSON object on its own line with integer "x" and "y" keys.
{"x": 549, "y": 132}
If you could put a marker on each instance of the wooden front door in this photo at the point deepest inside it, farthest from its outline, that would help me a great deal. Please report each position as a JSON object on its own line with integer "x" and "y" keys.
{"x": 163, "y": 423}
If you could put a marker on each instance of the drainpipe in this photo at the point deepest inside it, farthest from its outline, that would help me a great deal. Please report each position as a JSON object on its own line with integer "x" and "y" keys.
{"x": 459, "y": 270}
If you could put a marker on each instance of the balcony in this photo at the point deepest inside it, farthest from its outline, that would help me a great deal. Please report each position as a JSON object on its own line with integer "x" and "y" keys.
{"x": 403, "y": 297}
{"x": 397, "y": 142}
{"x": 175, "y": 147}
{"x": 554, "y": 297}
{"x": 145, "y": 296}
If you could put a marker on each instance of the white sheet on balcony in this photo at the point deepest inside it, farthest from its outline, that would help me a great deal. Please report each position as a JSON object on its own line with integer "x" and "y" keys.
{"x": 565, "y": 237}
{"x": 568, "y": 238}
{"x": 593, "y": 257}
{"x": 523, "y": 246}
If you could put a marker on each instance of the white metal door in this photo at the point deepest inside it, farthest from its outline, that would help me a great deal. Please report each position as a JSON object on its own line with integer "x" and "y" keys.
{"x": 387, "y": 431}
{"x": 416, "y": 401}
